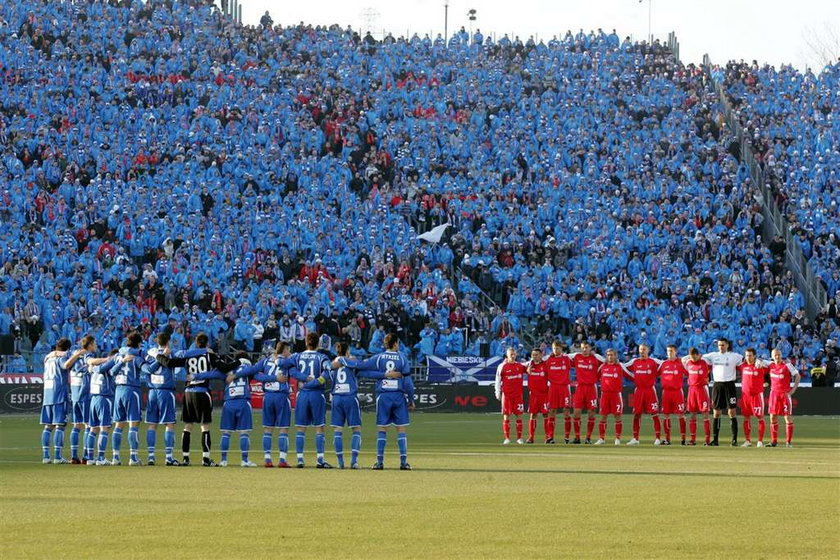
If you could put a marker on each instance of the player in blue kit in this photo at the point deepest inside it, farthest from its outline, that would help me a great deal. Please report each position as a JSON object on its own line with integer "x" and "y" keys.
{"x": 236, "y": 411}
{"x": 277, "y": 408}
{"x": 54, "y": 405}
{"x": 127, "y": 398}
{"x": 101, "y": 408}
{"x": 161, "y": 406}
{"x": 345, "y": 407}
{"x": 394, "y": 398}
{"x": 311, "y": 406}
{"x": 80, "y": 395}
{"x": 198, "y": 407}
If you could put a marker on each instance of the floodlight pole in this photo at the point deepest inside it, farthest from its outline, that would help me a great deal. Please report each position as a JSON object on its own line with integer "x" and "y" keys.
{"x": 446, "y": 24}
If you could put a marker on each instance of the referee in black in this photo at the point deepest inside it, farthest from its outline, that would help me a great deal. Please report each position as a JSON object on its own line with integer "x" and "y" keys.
{"x": 198, "y": 406}
{"x": 724, "y": 364}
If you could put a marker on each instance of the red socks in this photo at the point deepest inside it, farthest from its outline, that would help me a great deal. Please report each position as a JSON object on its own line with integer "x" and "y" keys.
{"x": 747, "y": 428}
{"x": 506, "y": 428}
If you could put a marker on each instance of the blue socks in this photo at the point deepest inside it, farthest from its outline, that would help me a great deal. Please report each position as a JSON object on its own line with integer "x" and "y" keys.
{"x": 133, "y": 442}
{"x": 116, "y": 443}
{"x": 283, "y": 445}
{"x": 356, "y": 446}
{"x": 244, "y": 446}
{"x": 151, "y": 437}
{"x": 169, "y": 442}
{"x": 45, "y": 442}
{"x": 74, "y": 443}
{"x": 90, "y": 443}
{"x": 58, "y": 443}
{"x": 103, "y": 443}
{"x": 300, "y": 439}
{"x": 267, "y": 445}
{"x": 381, "y": 440}
{"x": 402, "y": 443}
{"x": 338, "y": 443}
{"x": 225, "y": 445}
{"x": 320, "y": 444}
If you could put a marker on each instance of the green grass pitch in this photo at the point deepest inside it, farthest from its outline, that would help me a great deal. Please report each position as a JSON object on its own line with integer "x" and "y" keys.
{"x": 468, "y": 497}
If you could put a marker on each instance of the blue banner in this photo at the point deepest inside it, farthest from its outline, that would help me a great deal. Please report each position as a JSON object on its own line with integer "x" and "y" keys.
{"x": 462, "y": 369}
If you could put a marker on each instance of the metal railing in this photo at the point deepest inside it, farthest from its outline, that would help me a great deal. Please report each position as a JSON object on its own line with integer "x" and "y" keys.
{"x": 774, "y": 221}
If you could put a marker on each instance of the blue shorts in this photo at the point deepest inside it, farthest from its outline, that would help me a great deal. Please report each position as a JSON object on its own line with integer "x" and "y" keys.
{"x": 161, "y": 407}
{"x": 345, "y": 411}
{"x": 127, "y": 404}
{"x": 236, "y": 415}
{"x": 81, "y": 411}
{"x": 311, "y": 409}
{"x": 391, "y": 409}
{"x": 54, "y": 413}
{"x": 101, "y": 409}
{"x": 277, "y": 410}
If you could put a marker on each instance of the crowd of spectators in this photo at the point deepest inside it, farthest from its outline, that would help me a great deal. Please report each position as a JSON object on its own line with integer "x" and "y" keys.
{"x": 166, "y": 168}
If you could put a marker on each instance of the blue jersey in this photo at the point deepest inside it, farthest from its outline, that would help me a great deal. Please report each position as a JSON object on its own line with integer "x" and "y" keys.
{"x": 101, "y": 379}
{"x": 269, "y": 368}
{"x": 158, "y": 377}
{"x": 80, "y": 379}
{"x": 128, "y": 373}
{"x": 345, "y": 381}
{"x": 55, "y": 380}
{"x": 310, "y": 365}
{"x": 390, "y": 361}
{"x": 239, "y": 388}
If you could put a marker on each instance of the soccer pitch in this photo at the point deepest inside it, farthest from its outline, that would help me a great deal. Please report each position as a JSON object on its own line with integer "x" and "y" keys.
{"x": 467, "y": 497}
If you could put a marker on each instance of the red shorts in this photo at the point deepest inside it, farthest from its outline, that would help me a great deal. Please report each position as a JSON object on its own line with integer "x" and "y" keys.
{"x": 645, "y": 401}
{"x": 673, "y": 401}
{"x": 752, "y": 405}
{"x": 780, "y": 404}
{"x": 538, "y": 403}
{"x": 512, "y": 404}
{"x": 698, "y": 398}
{"x": 611, "y": 403}
{"x": 586, "y": 396}
{"x": 559, "y": 396}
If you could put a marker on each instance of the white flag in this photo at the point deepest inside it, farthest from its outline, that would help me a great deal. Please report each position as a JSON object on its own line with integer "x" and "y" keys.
{"x": 434, "y": 234}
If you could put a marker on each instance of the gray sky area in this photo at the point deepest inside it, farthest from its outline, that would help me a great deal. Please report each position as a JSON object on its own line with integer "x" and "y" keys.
{"x": 774, "y": 31}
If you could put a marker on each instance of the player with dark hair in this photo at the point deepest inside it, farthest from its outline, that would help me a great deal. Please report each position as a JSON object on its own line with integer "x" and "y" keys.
{"x": 198, "y": 406}
{"x": 724, "y": 394}
{"x": 752, "y": 396}
{"x": 698, "y": 394}
{"x": 80, "y": 395}
{"x": 394, "y": 399}
{"x": 558, "y": 367}
{"x": 54, "y": 404}
{"x": 672, "y": 374}
{"x": 277, "y": 408}
{"x": 611, "y": 374}
{"x": 586, "y": 364}
{"x": 127, "y": 399}
{"x": 537, "y": 395}
{"x": 161, "y": 408}
{"x": 311, "y": 405}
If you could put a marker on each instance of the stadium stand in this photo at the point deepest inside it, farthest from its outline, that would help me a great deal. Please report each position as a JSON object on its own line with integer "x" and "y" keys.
{"x": 166, "y": 167}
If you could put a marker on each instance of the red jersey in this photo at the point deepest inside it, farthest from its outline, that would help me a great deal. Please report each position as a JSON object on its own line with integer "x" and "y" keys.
{"x": 509, "y": 377}
{"x": 538, "y": 378}
{"x": 558, "y": 369}
{"x": 752, "y": 378}
{"x": 586, "y": 368}
{"x": 672, "y": 372}
{"x": 780, "y": 376}
{"x": 611, "y": 377}
{"x": 645, "y": 372}
{"x": 698, "y": 373}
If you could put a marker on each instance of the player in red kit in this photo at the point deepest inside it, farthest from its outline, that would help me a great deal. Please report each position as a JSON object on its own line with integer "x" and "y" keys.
{"x": 537, "y": 394}
{"x": 509, "y": 378}
{"x": 781, "y": 404}
{"x": 698, "y": 394}
{"x": 612, "y": 373}
{"x": 558, "y": 367}
{"x": 645, "y": 371}
{"x": 586, "y": 366}
{"x": 672, "y": 372}
{"x": 752, "y": 396}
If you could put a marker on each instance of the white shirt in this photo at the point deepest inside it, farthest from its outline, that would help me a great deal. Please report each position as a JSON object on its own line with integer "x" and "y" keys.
{"x": 723, "y": 365}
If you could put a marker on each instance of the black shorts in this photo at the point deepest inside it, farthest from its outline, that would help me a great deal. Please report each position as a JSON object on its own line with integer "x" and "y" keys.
{"x": 724, "y": 395}
{"x": 198, "y": 408}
